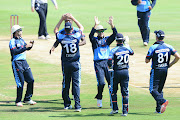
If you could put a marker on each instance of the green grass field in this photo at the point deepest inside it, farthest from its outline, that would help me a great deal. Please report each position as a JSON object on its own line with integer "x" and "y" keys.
{"x": 48, "y": 77}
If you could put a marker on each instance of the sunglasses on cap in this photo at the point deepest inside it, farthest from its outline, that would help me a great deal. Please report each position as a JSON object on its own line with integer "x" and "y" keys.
{"x": 19, "y": 30}
{"x": 100, "y": 31}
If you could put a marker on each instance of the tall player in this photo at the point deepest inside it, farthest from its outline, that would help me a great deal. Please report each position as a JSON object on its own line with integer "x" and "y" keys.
{"x": 69, "y": 40}
{"x": 160, "y": 54}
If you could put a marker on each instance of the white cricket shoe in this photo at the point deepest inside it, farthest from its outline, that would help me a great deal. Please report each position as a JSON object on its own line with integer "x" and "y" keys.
{"x": 78, "y": 110}
{"x": 41, "y": 37}
{"x": 123, "y": 114}
{"x": 30, "y": 102}
{"x": 99, "y": 103}
{"x": 157, "y": 112}
{"x": 145, "y": 43}
{"x": 114, "y": 112}
{"x": 19, "y": 104}
{"x": 66, "y": 108}
{"x": 48, "y": 37}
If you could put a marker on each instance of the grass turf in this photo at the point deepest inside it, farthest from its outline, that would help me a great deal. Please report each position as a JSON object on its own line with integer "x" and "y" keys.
{"x": 48, "y": 78}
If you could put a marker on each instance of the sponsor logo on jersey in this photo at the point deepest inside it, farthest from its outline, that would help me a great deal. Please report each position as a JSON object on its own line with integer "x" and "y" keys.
{"x": 143, "y": 3}
{"x": 103, "y": 49}
{"x": 68, "y": 41}
{"x": 162, "y": 50}
{"x": 123, "y": 52}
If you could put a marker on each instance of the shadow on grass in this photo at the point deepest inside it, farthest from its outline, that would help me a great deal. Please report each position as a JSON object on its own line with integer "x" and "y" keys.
{"x": 104, "y": 114}
{"x": 80, "y": 115}
{"x": 58, "y": 101}
{"x": 101, "y": 114}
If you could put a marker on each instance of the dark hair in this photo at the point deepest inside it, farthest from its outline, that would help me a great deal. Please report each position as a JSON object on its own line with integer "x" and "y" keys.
{"x": 160, "y": 38}
{"x": 67, "y": 30}
{"x": 119, "y": 41}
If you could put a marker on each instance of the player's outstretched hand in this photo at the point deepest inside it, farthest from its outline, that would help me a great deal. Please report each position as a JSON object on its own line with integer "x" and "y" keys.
{"x": 29, "y": 45}
{"x": 51, "y": 50}
{"x": 32, "y": 41}
{"x": 110, "y": 20}
{"x": 97, "y": 22}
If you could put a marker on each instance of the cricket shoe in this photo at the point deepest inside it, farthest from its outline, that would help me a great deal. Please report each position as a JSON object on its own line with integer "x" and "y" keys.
{"x": 114, "y": 112}
{"x": 123, "y": 114}
{"x": 41, "y": 37}
{"x": 145, "y": 43}
{"x": 66, "y": 108}
{"x": 163, "y": 106}
{"x": 157, "y": 112}
{"x": 99, "y": 103}
{"x": 48, "y": 37}
{"x": 19, "y": 104}
{"x": 30, "y": 102}
{"x": 78, "y": 110}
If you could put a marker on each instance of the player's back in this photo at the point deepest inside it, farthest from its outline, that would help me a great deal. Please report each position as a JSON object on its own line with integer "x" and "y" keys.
{"x": 121, "y": 57}
{"x": 161, "y": 56}
{"x": 70, "y": 45}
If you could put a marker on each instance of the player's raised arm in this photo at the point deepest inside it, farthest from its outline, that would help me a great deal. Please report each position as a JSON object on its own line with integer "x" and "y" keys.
{"x": 112, "y": 37}
{"x": 76, "y": 21}
{"x": 59, "y": 23}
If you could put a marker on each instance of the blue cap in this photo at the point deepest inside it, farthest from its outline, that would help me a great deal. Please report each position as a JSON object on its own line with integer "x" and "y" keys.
{"x": 68, "y": 26}
{"x": 160, "y": 33}
{"x": 119, "y": 36}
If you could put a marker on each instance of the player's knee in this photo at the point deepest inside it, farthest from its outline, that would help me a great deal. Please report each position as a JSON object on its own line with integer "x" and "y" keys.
{"x": 152, "y": 90}
{"x": 126, "y": 97}
{"x": 101, "y": 83}
{"x": 31, "y": 81}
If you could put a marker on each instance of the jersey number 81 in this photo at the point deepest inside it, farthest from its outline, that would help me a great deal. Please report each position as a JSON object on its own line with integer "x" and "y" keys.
{"x": 162, "y": 57}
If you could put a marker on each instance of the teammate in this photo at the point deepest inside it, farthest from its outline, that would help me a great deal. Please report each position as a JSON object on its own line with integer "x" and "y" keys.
{"x": 100, "y": 46}
{"x": 120, "y": 57}
{"x": 81, "y": 43}
{"x": 69, "y": 40}
{"x": 21, "y": 69}
{"x": 160, "y": 54}
{"x": 144, "y": 8}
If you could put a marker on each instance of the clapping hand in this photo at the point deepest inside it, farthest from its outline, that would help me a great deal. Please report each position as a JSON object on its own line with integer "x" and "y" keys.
{"x": 111, "y": 21}
{"x": 97, "y": 22}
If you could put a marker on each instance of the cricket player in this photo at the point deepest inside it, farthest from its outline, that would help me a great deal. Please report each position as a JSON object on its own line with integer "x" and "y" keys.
{"x": 100, "y": 46}
{"x": 81, "y": 43}
{"x": 160, "y": 54}
{"x": 144, "y": 8}
{"x": 21, "y": 69}
{"x": 69, "y": 40}
{"x": 120, "y": 57}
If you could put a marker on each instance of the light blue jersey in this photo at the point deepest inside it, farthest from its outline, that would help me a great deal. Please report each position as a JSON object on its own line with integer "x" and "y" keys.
{"x": 100, "y": 46}
{"x": 143, "y": 6}
{"x": 17, "y": 49}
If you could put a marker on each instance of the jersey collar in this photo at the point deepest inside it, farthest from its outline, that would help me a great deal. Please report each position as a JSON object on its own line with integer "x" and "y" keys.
{"x": 159, "y": 42}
